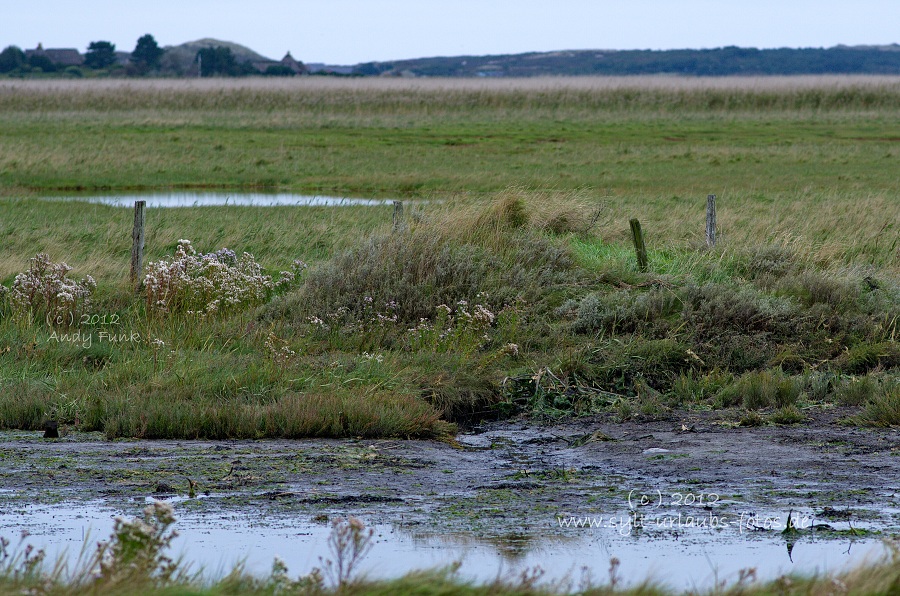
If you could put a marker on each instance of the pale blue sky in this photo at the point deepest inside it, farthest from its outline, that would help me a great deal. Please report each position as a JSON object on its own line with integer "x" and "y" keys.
{"x": 352, "y": 31}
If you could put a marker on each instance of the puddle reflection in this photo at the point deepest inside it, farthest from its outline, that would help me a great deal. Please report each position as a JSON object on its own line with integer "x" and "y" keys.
{"x": 208, "y": 199}
{"x": 215, "y": 542}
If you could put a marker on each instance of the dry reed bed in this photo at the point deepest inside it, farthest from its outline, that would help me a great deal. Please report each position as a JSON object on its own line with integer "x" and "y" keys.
{"x": 386, "y": 94}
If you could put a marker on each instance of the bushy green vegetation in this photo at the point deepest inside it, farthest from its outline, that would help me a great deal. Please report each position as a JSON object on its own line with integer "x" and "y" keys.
{"x": 465, "y": 311}
{"x": 511, "y": 289}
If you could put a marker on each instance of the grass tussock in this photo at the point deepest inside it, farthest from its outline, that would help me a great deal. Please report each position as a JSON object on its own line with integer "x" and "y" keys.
{"x": 492, "y": 255}
{"x": 882, "y": 406}
{"x": 290, "y": 417}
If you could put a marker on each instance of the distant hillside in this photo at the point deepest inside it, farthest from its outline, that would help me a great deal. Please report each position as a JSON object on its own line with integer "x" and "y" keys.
{"x": 180, "y": 58}
{"x": 714, "y": 62}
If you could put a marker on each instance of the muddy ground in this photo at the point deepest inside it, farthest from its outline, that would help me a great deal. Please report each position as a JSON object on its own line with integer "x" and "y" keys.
{"x": 512, "y": 478}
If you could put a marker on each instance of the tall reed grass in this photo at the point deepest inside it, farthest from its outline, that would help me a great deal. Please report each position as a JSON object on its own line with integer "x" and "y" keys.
{"x": 380, "y": 95}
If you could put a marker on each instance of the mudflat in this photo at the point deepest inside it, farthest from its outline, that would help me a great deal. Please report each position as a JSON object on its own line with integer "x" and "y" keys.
{"x": 518, "y": 474}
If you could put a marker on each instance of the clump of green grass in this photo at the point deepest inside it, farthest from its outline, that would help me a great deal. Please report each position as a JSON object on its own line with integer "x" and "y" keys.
{"x": 290, "y": 417}
{"x": 486, "y": 255}
{"x": 757, "y": 390}
{"x": 693, "y": 388}
{"x": 751, "y": 418}
{"x": 882, "y": 408}
{"x": 854, "y": 391}
{"x": 865, "y": 357}
{"x": 789, "y": 414}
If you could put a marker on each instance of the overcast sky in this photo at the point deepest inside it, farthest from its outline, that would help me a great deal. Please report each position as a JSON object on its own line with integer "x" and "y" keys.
{"x": 353, "y": 31}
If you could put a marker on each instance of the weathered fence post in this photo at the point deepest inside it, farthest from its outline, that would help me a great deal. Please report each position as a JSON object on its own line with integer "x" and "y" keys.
{"x": 398, "y": 215}
{"x": 137, "y": 244}
{"x": 638, "y": 237}
{"x": 711, "y": 220}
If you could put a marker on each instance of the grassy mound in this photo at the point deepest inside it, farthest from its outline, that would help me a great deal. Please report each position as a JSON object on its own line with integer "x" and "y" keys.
{"x": 467, "y": 309}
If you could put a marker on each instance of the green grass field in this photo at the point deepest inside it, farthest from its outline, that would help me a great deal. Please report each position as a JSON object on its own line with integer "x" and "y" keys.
{"x": 809, "y": 158}
{"x": 511, "y": 289}
{"x": 528, "y": 188}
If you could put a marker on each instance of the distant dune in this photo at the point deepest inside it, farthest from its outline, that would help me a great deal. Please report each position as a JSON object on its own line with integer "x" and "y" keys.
{"x": 181, "y": 58}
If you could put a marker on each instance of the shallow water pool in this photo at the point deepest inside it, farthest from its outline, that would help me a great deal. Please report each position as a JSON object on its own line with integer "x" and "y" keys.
{"x": 210, "y": 199}
{"x": 216, "y": 543}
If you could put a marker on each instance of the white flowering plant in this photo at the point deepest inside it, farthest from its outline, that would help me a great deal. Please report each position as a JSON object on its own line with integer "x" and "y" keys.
{"x": 278, "y": 350}
{"x": 463, "y": 328}
{"x": 370, "y": 324}
{"x": 216, "y": 283}
{"x": 46, "y": 291}
{"x": 136, "y": 548}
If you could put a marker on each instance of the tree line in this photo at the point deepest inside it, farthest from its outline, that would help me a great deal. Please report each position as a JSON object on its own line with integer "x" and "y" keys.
{"x": 148, "y": 59}
{"x": 145, "y": 60}
{"x": 726, "y": 61}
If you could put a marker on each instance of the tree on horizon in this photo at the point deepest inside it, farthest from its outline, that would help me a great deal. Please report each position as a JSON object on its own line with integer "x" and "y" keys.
{"x": 146, "y": 54}
{"x": 220, "y": 61}
{"x": 12, "y": 58}
{"x": 100, "y": 54}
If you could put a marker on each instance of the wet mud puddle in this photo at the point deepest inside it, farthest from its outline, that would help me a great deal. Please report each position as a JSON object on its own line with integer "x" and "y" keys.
{"x": 689, "y": 509}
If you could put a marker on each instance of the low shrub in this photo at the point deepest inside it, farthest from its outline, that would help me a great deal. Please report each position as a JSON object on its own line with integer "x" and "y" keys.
{"x": 217, "y": 283}
{"x": 420, "y": 272}
{"x": 624, "y": 311}
{"x": 771, "y": 260}
{"x": 439, "y": 284}
{"x": 45, "y": 291}
{"x": 818, "y": 288}
{"x": 713, "y": 310}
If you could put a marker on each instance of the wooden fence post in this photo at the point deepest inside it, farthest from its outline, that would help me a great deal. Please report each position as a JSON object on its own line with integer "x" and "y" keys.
{"x": 137, "y": 245}
{"x": 398, "y": 215}
{"x": 711, "y": 220}
{"x": 638, "y": 237}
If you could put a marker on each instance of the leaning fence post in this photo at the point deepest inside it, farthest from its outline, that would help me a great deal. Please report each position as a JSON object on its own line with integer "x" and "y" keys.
{"x": 711, "y": 220}
{"x": 638, "y": 237}
{"x": 137, "y": 244}
{"x": 398, "y": 215}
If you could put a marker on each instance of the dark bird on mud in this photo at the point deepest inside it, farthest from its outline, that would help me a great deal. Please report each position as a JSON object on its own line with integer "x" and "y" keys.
{"x": 51, "y": 429}
{"x": 192, "y": 488}
{"x": 163, "y": 488}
